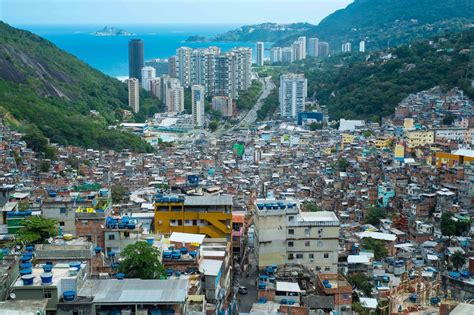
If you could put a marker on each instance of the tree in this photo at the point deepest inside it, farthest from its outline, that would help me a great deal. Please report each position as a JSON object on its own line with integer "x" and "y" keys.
{"x": 44, "y": 166}
{"x": 451, "y": 227}
{"x": 374, "y": 215}
{"x": 458, "y": 259}
{"x": 377, "y": 246}
{"x": 213, "y": 125}
{"x": 311, "y": 207}
{"x": 449, "y": 119}
{"x": 359, "y": 309}
{"x": 315, "y": 126}
{"x": 36, "y": 230}
{"x": 117, "y": 193}
{"x": 342, "y": 164}
{"x": 141, "y": 260}
{"x": 362, "y": 282}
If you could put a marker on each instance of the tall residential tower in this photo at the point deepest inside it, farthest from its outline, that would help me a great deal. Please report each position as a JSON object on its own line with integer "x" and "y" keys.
{"x": 135, "y": 59}
{"x": 293, "y": 90}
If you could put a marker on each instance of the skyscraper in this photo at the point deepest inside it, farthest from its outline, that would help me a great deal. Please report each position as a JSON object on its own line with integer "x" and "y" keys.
{"x": 133, "y": 94}
{"x": 172, "y": 67}
{"x": 197, "y": 102}
{"x": 223, "y": 104}
{"x": 161, "y": 66}
{"x": 183, "y": 65}
{"x": 346, "y": 47}
{"x": 313, "y": 47}
{"x": 293, "y": 90}
{"x": 362, "y": 46}
{"x": 148, "y": 73}
{"x": 135, "y": 59}
{"x": 302, "y": 40}
{"x": 287, "y": 54}
{"x": 323, "y": 49}
{"x": 275, "y": 54}
{"x": 260, "y": 53}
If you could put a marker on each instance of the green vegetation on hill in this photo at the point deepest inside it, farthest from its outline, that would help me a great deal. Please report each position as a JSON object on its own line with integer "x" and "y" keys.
{"x": 45, "y": 87}
{"x": 370, "y": 87}
{"x": 248, "y": 98}
{"x": 389, "y": 22}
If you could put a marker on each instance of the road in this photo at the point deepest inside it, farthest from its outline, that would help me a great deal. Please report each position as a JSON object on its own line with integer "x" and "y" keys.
{"x": 246, "y": 301}
{"x": 251, "y": 116}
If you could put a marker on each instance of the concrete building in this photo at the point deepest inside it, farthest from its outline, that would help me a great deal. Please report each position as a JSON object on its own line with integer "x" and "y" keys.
{"x": 209, "y": 215}
{"x": 313, "y": 47}
{"x": 287, "y": 55}
{"x": 293, "y": 91}
{"x": 134, "y": 94}
{"x": 148, "y": 73}
{"x": 135, "y": 59}
{"x": 155, "y": 87}
{"x": 284, "y": 234}
{"x": 346, "y": 47}
{"x": 183, "y": 65}
{"x": 223, "y": 104}
{"x": 362, "y": 46}
{"x": 419, "y": 138}
{"x": 172, "y": 67}
{"x": 203, "y": 67}
{"x": 175, "y": 99}
{"x": 323, "y": 49}
{"x": 243, "y": 67}
{"x": 197, "y": 103}
{"x": 224, "y": 82}
{"x": 275, "y": 54}
{"x": 161, "y": 66}
{"x": 260, "y": 53}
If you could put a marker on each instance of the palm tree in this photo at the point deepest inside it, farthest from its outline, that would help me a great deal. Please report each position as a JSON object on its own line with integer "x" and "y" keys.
{"x": 458, "y": 259}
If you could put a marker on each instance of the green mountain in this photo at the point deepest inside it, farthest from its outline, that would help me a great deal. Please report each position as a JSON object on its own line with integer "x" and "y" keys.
{"x": 267, "y": 32}
{"x": 383, "y": 23}
{"x": 45, "y": 89}
{"x": 370, "y": 86}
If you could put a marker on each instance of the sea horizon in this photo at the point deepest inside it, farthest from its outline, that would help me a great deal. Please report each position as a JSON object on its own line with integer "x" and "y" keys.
{"x": 109, "y": 54}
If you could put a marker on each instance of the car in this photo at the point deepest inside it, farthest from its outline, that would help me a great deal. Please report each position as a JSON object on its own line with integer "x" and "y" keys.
{"x": 242, "y": 290}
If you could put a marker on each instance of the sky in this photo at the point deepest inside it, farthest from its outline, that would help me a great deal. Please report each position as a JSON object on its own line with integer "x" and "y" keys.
{"x": 123, "y": 12}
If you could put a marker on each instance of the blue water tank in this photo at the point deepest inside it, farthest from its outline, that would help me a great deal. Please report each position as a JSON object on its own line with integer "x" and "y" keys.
{"x": 167, "y": 254}
{"x": 169, "y": 272}
{"x": 125, "y": 219}
{"x": 177, "y": 273}
{"x": 26, "y": 271}
{"x": 46, "y": 278}
{"x": 262, "y": 285}
{"x": 284, "y": 301}
{"x": 193, "y": 254}
{"x": 111, "y": 254}
{"x": 69, "y": 295}
{"x": 114, "y": 265}
{"x": 27, "y": 279}
{"x": 26, "y": 265}
{"x": 183, "y": 250}
{"x": 176, "y": 255}
{"x": 120, "y": 276}
{"x": 75, "y": 264}
{"x": 413, "y": 297}
{"x": 131, "y": 226}
{"x": 30, "y": 248}
{"x": 47, "y": 268}
{"x": 97, "y": 249}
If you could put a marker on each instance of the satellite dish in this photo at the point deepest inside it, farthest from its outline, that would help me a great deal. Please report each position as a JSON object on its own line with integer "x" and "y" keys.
{"x": 18, "y": 247}
{"x": 12, "y": 296}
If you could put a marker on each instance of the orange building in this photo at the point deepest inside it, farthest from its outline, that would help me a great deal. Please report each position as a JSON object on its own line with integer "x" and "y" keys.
{"x": 456, "y": 158}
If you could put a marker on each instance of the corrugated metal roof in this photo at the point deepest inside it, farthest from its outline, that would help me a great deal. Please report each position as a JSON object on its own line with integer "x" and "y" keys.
{"x": 136, "y": 291}
{"x": 208, "y": 200}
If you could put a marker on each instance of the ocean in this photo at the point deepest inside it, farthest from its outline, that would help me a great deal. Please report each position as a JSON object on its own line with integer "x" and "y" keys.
{"x": 109, "y": 54}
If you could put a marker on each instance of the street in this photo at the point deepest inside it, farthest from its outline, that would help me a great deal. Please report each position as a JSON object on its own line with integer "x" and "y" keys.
{"x": 246, "y": 301}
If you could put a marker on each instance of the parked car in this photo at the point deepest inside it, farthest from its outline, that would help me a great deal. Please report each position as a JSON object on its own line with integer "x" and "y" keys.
{"x": 242, "y": 290}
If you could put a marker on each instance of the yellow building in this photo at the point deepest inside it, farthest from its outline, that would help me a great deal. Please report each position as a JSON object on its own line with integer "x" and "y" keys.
{"x": 456, "y": 158}
{"x": 383, "y": 142}
{"x": 408, "y": 123}
{"x": 347, "y": 138}
{"x": 399, "y": 153}
{"x": 419, "y": 138}
{"x": 209, "y": 215}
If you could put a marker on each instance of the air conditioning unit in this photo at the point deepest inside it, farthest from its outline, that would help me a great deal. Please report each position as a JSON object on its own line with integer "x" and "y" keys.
{"x": 160, "y": 222}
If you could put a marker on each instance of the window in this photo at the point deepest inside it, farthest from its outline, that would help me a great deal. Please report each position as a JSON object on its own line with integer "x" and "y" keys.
{"x": 61, "y": 223}
{"x": 326, "y": 255}
{"x": 291, "y": 231}
{"x": 327, "y": 268}
{"x": 307, "y": 243}
{"x": 126, "y": 234}
{"x": 311, "y": 256}
{"x": 290, "y": 244}
{"x": 307, "y": 231}
{"x": 291, "y": 218}
{"x": 47, "y": 294}
{"x": 318, "y": 268}
{"x": 77, "y": 312}
{"x": 62, "y": 210}
{"x": 290, "y": 256}
{"x": 299, "y": 256}
{"x": 85, "y": 222}
{"x": 111, "y": 237}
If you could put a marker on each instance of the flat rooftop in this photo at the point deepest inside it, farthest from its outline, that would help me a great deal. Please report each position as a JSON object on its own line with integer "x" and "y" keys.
{"x": 59, "y": 271}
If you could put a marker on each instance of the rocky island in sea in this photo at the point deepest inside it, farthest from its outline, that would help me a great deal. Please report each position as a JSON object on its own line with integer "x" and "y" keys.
{"x": 112, "y": 31}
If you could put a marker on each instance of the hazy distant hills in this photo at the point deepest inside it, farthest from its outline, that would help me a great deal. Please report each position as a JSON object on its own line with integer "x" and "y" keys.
{"x": 381, "y": 23}
{"x": 44, "y": 86}
{"x": 268, "y": 32}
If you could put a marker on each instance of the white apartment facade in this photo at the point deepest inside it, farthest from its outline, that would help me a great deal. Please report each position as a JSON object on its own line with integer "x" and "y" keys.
{"x": 134, "y": 94}
{"x": 284, "y": 235}
{"x": 260, "y": 53}
{"x": 292, "y": 97}
{"x": 197, "y": 101}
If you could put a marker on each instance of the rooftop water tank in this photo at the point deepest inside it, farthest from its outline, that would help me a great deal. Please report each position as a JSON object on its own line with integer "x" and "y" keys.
{"x": 131, "y": 226}
{"x": 72, "y": 271}
{"x": 46, "y": 278}
{"x": 75, "y": 264}
{"x": 47, "y": 268}
{"x": 183, "y": 250}
{"x": 111, "y": 254}
{"x": 97, "y": 249}
{"x": 69, "y": 295}
{"x": 120, "y": 276}
{"x": 26, "y": 265}
{"x": 30, "y": 248}
{"x": 27, "y": 279}
{"x": 26, "y": 271}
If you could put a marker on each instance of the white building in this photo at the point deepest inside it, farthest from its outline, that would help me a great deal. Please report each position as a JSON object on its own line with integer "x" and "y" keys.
{"x": 299, "y": 48}
{"x": 174, "y": 95}
{"x": 183, "y": 65}
{"x": 346, "y": 47}
{"x": 134, "y": 94}
{"x": 293, "y": 91}
{"x": 283, "y": 234}
{"x": 313, "y": 47}
{"x": 260, "y": 53}
{"x": 197, "y": 101}
{"x": 362, "y": 46}
{"x": 275, "y": 54}
{"x": 148, "y": 73}
{"x": 287, "y": 55}
{"x": 323, "y": 49}
{"x": 223, "y": 104}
